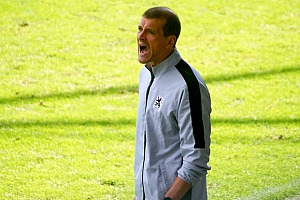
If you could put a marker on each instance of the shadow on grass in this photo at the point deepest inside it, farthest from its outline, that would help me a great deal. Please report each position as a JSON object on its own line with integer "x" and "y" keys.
{"x": 59, "y": 123}
{"x": 134, "y": 88}
{"x": 77, "y": 93}
{"x": 131, "y": 122}
{"x": 250, "y": 75}
{"x": 243, "y": 121}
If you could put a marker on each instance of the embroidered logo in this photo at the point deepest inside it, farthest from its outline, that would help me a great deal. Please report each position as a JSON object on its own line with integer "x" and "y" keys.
{"x": 158, "y": 102}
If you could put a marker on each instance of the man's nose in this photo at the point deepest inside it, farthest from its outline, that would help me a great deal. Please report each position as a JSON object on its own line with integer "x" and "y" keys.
{"x": 141, "y": 35}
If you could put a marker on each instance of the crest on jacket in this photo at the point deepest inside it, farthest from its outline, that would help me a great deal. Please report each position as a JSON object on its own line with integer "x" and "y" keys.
{"x": 158, "y": 102}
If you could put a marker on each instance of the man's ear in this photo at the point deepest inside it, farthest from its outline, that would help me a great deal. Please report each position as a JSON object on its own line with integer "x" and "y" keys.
{"x": 171, "y": 41}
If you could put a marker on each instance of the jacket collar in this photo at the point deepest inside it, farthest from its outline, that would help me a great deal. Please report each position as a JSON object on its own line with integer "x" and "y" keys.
{"x": 165, "y": 65}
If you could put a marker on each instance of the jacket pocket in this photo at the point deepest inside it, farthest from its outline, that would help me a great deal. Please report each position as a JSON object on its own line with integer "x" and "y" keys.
{"x": 169, "y": 173}
{"x": 162, "y": 187}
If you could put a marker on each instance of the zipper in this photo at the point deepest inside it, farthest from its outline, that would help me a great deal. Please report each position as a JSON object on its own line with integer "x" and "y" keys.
{"x": 147, "y": 94}
{"x": 148, "y": 89}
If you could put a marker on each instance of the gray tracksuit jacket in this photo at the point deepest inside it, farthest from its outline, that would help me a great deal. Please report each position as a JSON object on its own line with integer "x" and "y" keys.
{"x": 172, "y": 130}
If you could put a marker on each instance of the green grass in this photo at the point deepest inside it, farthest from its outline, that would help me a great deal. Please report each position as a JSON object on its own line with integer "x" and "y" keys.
{"x": 68, "y": 95}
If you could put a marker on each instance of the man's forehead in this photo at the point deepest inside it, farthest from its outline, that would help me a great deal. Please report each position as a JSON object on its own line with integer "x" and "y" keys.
{"x": 156, "y": 23}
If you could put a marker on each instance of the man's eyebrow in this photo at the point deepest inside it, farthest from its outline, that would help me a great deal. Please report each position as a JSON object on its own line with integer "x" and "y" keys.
{"x": 150, "y": 29}
{"x": 147, "y": 28}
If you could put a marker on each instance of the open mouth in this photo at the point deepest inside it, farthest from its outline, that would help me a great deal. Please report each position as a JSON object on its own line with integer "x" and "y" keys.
{"x": 143, "y": 49}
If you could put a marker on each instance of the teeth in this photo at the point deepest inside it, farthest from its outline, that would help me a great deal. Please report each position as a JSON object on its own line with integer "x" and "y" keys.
{"x": 142, "y": 48}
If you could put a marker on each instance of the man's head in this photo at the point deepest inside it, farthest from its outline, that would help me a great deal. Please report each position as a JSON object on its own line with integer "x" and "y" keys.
{"x": 172, "y": 25}
{"x": 157, "y": 35}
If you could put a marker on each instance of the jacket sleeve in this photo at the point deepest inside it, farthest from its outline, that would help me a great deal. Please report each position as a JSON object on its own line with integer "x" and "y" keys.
{"x": 195, "y": 158}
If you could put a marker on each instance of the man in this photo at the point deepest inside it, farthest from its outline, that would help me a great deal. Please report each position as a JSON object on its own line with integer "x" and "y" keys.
{"x": 173, "y": 122}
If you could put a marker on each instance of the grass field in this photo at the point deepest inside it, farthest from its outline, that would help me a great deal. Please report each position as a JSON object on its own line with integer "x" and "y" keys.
{"x": 68, "y": 95}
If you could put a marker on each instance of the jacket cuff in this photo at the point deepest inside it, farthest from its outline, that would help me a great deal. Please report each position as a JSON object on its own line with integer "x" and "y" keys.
{"x": 190, "y": 173}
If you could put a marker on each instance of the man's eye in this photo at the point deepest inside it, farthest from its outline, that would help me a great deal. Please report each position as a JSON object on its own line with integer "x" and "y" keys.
{"x": 151, "y": 32}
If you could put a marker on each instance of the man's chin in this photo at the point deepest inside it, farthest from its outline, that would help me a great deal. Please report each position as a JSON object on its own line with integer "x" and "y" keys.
{"x": 142, "y": 60}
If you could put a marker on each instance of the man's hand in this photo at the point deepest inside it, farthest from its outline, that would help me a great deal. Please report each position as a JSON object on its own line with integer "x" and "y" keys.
{"x": 178, "y": 189}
